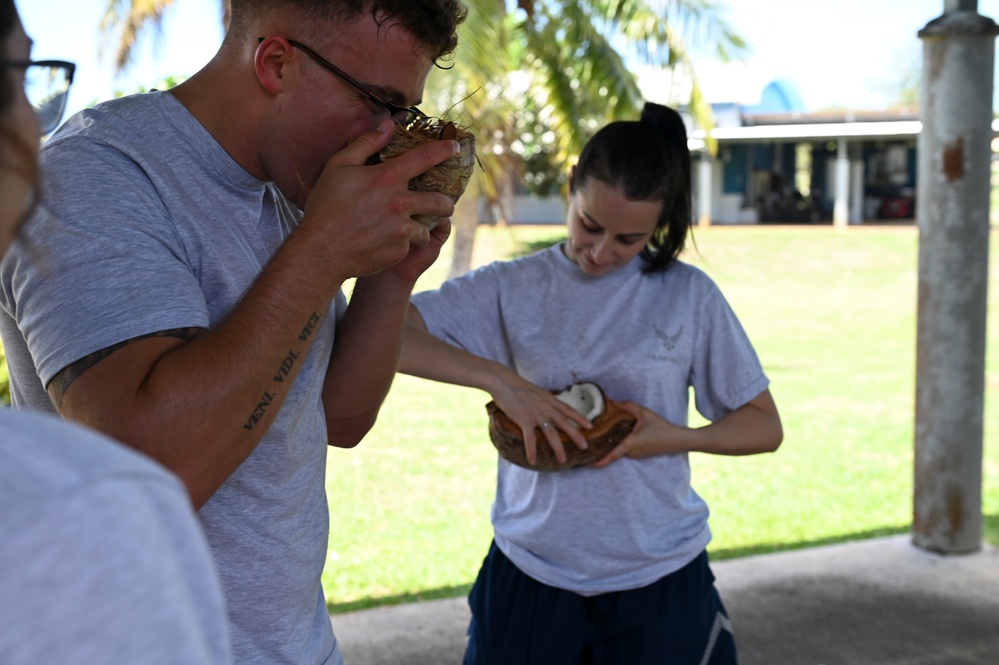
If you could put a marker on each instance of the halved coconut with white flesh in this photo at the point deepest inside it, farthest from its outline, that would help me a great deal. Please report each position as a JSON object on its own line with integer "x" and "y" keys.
{"x": 611, "y": 424}
{"x": 586, "y": 398}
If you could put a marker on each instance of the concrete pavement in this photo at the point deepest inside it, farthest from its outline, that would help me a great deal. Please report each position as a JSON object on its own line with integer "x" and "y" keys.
{"x": 872, "y": 602}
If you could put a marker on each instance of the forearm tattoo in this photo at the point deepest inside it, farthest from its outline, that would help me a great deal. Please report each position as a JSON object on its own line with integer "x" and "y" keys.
{"x": 283, "y": 372}
{"x": 310, "y": 326}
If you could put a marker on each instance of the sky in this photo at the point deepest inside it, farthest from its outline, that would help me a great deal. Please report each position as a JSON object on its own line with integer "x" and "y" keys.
{"x": 848, "y": 53}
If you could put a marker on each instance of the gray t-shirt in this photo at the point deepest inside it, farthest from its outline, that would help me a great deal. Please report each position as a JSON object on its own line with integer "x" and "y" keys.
{"x": 648, "y": 338}
{"x": 101, "y": 558}
{"x": 147, "y": 224}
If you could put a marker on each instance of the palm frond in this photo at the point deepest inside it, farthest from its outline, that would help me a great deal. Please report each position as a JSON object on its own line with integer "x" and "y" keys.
{"x": 125, "y": 20}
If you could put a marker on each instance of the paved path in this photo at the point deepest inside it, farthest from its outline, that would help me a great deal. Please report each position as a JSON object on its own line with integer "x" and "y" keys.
{"x": 873, "y": 602}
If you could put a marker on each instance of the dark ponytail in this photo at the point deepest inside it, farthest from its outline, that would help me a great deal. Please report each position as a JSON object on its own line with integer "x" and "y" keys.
{"x": 648, "y": 160}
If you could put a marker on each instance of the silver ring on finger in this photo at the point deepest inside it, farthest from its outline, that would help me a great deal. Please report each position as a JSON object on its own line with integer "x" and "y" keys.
{"x": 545, "y": 424}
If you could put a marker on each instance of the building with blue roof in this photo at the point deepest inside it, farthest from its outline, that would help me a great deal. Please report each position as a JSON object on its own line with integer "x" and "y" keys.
{"x": 778, "y": 162}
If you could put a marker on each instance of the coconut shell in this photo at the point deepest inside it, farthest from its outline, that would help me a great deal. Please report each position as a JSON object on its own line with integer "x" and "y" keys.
{"x": 451, "y": 176}
{"x": 609, "y": 429}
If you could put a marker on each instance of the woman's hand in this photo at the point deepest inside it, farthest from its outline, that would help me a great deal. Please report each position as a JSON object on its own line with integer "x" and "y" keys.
{"x": 753, "y": 428}
{"x": 530, "y": 406}
{"x": 526, "y": 404}
{"x": 652, "y": 435}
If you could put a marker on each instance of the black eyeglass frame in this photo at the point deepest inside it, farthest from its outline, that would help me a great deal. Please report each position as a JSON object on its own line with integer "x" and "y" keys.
{"x": 68, "y": 67}
{"x": 403, "y": 114}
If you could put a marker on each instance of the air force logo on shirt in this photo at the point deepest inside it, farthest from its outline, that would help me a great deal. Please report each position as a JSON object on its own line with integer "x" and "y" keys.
{"x": 664, "y": 343}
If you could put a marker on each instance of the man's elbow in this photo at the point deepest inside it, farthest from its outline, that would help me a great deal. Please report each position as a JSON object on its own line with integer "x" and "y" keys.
{"x": 340, "y": 442}
{"x": 775, "y": 439}
{"x": 347, "y": 433}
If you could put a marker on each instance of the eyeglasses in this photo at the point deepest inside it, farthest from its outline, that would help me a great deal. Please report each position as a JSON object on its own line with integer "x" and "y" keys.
{"x": 402, "y": 114}
{"x": 46, "y": 84}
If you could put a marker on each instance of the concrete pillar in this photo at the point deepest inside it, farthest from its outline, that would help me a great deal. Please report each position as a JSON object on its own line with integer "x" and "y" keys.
{"x": 857, "y": 191}
{"x": 953, "y": 218}
{"x": 704, "y": 189}
{"x": 840, "y": 205}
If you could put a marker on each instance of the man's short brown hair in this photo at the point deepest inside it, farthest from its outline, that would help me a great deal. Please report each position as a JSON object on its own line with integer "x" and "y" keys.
{"x": 433, "y": 22}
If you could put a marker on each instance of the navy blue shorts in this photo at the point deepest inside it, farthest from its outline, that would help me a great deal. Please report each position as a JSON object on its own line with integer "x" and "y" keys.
{"x": 516, "y": 620}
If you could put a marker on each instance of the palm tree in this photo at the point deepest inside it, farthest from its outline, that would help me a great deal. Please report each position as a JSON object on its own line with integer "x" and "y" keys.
{"x": 126, "y": 20}
{"x": 572, "y": 61}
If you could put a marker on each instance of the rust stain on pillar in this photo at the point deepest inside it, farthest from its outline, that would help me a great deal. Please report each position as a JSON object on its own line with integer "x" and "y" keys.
{"x": 953, "y": 160}
{"x": 955, "y": 511}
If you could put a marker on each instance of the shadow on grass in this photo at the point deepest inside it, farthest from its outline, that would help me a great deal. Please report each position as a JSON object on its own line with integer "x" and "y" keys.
{"x": 991, "y": 535}
{"x": 990, "y": 529}
{"x": 427, "y": 594}
{"x": 769, "y": 548}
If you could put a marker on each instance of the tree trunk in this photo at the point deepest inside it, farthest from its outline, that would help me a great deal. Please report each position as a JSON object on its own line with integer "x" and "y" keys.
{"x": 465, "y": 221}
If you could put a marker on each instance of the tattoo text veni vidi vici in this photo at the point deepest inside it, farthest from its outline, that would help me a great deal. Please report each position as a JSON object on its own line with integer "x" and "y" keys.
{"x": 283, "y": 372}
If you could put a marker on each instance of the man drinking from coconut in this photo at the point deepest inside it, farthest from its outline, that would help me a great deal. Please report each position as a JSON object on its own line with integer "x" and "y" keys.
{"x": 180, "y": 287}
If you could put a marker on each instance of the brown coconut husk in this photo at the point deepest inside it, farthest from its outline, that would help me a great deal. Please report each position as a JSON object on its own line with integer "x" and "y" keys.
{"x": 609, "y": 429}
{"x": 451, "y": 176}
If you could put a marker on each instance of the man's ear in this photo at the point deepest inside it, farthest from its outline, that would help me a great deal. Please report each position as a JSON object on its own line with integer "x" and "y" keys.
{"x": 270, "y": 60}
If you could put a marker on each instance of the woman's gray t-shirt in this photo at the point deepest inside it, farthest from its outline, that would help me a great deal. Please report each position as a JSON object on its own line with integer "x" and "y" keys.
{"x": 648, "y": 338}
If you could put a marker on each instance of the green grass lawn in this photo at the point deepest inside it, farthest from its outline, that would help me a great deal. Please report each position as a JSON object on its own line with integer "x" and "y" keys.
{"x": 832, "y": 315}
{"x": 4, "y": 379}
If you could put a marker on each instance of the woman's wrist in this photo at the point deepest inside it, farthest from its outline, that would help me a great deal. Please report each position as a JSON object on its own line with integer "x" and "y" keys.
{"x": 488, "y": 376}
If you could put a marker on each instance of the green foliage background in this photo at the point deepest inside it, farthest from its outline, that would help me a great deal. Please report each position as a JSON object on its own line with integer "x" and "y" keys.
{"x": 4, "y": 378}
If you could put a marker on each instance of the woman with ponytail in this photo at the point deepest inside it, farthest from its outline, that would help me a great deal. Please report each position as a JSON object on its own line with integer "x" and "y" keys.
{"x": 604, "y": 563}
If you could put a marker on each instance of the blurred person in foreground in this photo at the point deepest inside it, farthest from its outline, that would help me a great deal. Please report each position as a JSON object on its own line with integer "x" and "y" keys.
{"x": 101, "y": 557}
{"x": 199, "y": 239}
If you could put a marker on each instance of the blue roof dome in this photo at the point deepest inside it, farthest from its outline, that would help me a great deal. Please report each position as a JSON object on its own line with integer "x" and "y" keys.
{"x": 780, "y": 96}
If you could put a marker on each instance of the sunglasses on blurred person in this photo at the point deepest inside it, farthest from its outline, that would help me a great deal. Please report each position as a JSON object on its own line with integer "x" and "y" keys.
{"x": 46, "y": 84}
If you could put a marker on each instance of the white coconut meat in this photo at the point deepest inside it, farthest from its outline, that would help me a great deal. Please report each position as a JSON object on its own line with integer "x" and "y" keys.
{"x": 585, "y": 398}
